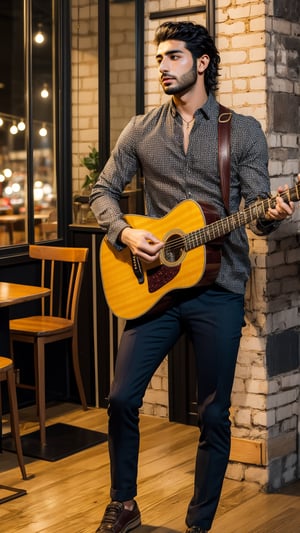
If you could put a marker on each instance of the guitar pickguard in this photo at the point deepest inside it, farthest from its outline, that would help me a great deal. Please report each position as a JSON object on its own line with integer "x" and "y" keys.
{"x": 159, "y": 276}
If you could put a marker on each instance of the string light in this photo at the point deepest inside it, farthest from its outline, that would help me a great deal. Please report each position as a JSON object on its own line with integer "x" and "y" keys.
{"x": 7, "y": 173}
{"x": 43, "y": 131}
{"x": 16, "y": 124}
{"x": 38, "y": 191}
{"x": 39, "y": 37}
{"x": 8, "y": 190}
{"x": 16, "y": 187}
{"x": 21, "y": 125}
{"x": 13, "y": 129}
{"x": 44, "y": 91}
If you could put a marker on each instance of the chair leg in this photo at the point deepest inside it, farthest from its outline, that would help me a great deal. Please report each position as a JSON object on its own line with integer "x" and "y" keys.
{"x": 14, "y": 417}
{"x": 1, "y": 413}
{"x": 77, "y": 372}
{"x": 39, "y": 357}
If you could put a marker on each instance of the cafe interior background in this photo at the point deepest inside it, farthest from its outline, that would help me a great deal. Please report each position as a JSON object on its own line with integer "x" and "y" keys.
{"x": 72, "y": 73}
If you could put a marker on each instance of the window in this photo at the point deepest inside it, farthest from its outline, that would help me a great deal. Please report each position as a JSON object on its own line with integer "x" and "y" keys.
{"x": 121, "y": 78}
{"x": 29, "y": 42}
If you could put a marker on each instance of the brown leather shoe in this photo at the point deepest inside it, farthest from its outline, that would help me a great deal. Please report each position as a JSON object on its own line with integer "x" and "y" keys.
{"x": 117, "y": 519}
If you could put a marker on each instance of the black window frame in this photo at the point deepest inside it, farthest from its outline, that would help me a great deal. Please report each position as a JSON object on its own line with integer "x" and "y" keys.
{"x": 62, "y": 125}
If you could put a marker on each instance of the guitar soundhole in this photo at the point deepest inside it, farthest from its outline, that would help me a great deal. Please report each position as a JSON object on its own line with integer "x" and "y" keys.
{"x": 173, "y": 252}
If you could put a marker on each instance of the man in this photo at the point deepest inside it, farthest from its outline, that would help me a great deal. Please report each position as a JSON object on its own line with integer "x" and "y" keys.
{"x": 176, "y": 148}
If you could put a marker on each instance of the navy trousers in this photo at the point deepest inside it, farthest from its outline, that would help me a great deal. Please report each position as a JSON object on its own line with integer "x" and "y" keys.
{"x": 213, "y": 318}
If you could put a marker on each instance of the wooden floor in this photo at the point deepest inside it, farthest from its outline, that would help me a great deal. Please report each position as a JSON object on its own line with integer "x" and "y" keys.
{"x": 69, "y": 495}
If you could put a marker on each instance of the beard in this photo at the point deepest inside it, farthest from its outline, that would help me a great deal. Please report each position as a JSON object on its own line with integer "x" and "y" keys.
{"x": 184, "y": 83}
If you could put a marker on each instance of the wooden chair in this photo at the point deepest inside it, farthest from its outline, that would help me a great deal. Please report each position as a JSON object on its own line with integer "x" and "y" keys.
{"x": 58, "y": 319}
{"x": 7, "y": 374}
{"x": 48, "y": 230}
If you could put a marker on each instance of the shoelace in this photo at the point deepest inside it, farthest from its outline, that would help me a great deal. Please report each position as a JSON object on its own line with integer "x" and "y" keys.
{"x": 113, "y": 510}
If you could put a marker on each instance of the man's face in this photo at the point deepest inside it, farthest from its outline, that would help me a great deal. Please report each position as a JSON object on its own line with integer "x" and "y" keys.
{"x": 177, "y": 68}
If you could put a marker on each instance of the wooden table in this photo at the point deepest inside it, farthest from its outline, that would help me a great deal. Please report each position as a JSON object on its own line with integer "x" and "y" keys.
{"x": 11, "y": 294}
{"x": 9, "y": 222}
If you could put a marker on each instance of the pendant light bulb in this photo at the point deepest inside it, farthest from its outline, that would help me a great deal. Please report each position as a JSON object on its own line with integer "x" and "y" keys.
{"x": 39, "y": 36}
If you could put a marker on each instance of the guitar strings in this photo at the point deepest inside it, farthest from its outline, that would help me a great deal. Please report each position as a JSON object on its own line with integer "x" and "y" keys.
{"x": 218, "y": 225}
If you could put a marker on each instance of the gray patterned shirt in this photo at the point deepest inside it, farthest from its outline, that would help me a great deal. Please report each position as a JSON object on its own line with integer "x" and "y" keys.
{"x": 154, "y": 143}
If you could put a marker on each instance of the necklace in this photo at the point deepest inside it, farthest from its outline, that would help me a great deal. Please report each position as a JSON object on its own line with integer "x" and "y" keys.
{"x": 187, "y": 122}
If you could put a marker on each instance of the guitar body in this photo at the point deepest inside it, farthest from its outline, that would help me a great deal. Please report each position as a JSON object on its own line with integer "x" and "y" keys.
{"x": 191, "y": 255}
{"x": 132, "y": 290}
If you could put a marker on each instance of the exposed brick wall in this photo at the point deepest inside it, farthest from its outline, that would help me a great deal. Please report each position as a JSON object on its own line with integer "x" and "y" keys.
{"x": 266, "y": 390}
{"x": 84, "y": 84}
{"x": 85, "y": 77}
{"x": 283, "y": 280}
{"x": 122, "y": 71}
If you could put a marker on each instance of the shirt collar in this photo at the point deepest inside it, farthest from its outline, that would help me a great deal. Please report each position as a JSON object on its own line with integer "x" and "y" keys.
{"x": 207, "y": 110}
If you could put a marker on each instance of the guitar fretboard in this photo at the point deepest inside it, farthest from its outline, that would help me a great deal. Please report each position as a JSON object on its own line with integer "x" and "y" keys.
{"x": 241, "y": 218}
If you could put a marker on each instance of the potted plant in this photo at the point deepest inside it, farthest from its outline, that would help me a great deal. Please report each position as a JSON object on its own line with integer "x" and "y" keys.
{"x": 80, "y": 203}
{"x": 91, "y": 162}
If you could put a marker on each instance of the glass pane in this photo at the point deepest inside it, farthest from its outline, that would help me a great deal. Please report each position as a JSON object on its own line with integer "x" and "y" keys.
{"x": 43, "y": 112}
{"x": 122, "y": 66}
{"x": 13, "y": 159}
{"x": 14, "y": 130}
{"x": 122, "y": 78}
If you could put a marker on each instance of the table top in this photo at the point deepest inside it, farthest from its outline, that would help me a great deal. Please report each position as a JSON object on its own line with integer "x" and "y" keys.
{"x": 4, "y": 219}
{"x": 43, "y": 215}
{"x": 14, "y": 293}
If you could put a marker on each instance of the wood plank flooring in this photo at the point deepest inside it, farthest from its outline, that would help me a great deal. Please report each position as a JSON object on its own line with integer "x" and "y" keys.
{"x": 68, "y": 496}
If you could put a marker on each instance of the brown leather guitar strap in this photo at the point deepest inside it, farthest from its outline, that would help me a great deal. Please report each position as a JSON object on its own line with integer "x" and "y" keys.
{"x": 224, "y": 131}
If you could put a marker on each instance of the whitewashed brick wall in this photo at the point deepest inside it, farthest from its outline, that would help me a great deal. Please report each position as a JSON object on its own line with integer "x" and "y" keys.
{"x": 84, "y": 85}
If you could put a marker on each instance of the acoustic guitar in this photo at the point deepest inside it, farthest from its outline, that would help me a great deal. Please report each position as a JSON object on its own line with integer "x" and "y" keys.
{"x": 192, "y": 236}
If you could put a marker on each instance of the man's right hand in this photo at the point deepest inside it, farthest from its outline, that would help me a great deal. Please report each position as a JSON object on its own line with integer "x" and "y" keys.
{"x": 142, "y": 243}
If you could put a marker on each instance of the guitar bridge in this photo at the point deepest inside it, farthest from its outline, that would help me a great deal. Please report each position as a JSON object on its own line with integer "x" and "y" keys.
{"x": 137, "y": 269}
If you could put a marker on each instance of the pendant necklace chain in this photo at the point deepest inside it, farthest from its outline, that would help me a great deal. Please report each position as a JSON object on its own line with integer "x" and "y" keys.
{"x": 187, "y": 122}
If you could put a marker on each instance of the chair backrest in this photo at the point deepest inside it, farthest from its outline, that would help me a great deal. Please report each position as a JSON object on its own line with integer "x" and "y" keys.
{"x": 48, "y": 229}
{"x": 61, "y": 271}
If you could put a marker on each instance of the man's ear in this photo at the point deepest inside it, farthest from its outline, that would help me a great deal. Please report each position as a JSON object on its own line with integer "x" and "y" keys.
{"x": 202, "y": 63}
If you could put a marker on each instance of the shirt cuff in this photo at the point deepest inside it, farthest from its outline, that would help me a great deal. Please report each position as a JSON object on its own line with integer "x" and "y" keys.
{"x": 263, "y": 226}
{"x": 114, "y": 231}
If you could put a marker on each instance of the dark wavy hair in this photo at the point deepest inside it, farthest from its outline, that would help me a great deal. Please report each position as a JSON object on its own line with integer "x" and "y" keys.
{"x": 198, "y": 42}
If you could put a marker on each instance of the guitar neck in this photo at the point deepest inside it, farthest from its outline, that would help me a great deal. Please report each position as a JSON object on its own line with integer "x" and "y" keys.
{"x": 241, "y": 218}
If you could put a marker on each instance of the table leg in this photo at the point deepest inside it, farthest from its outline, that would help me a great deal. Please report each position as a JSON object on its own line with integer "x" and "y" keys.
{"x": 4, "y": 347}
{"x": 4, "y": 332}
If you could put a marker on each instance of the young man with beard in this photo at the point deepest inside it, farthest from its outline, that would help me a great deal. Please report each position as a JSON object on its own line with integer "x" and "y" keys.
{"x": 176, "y": 148}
